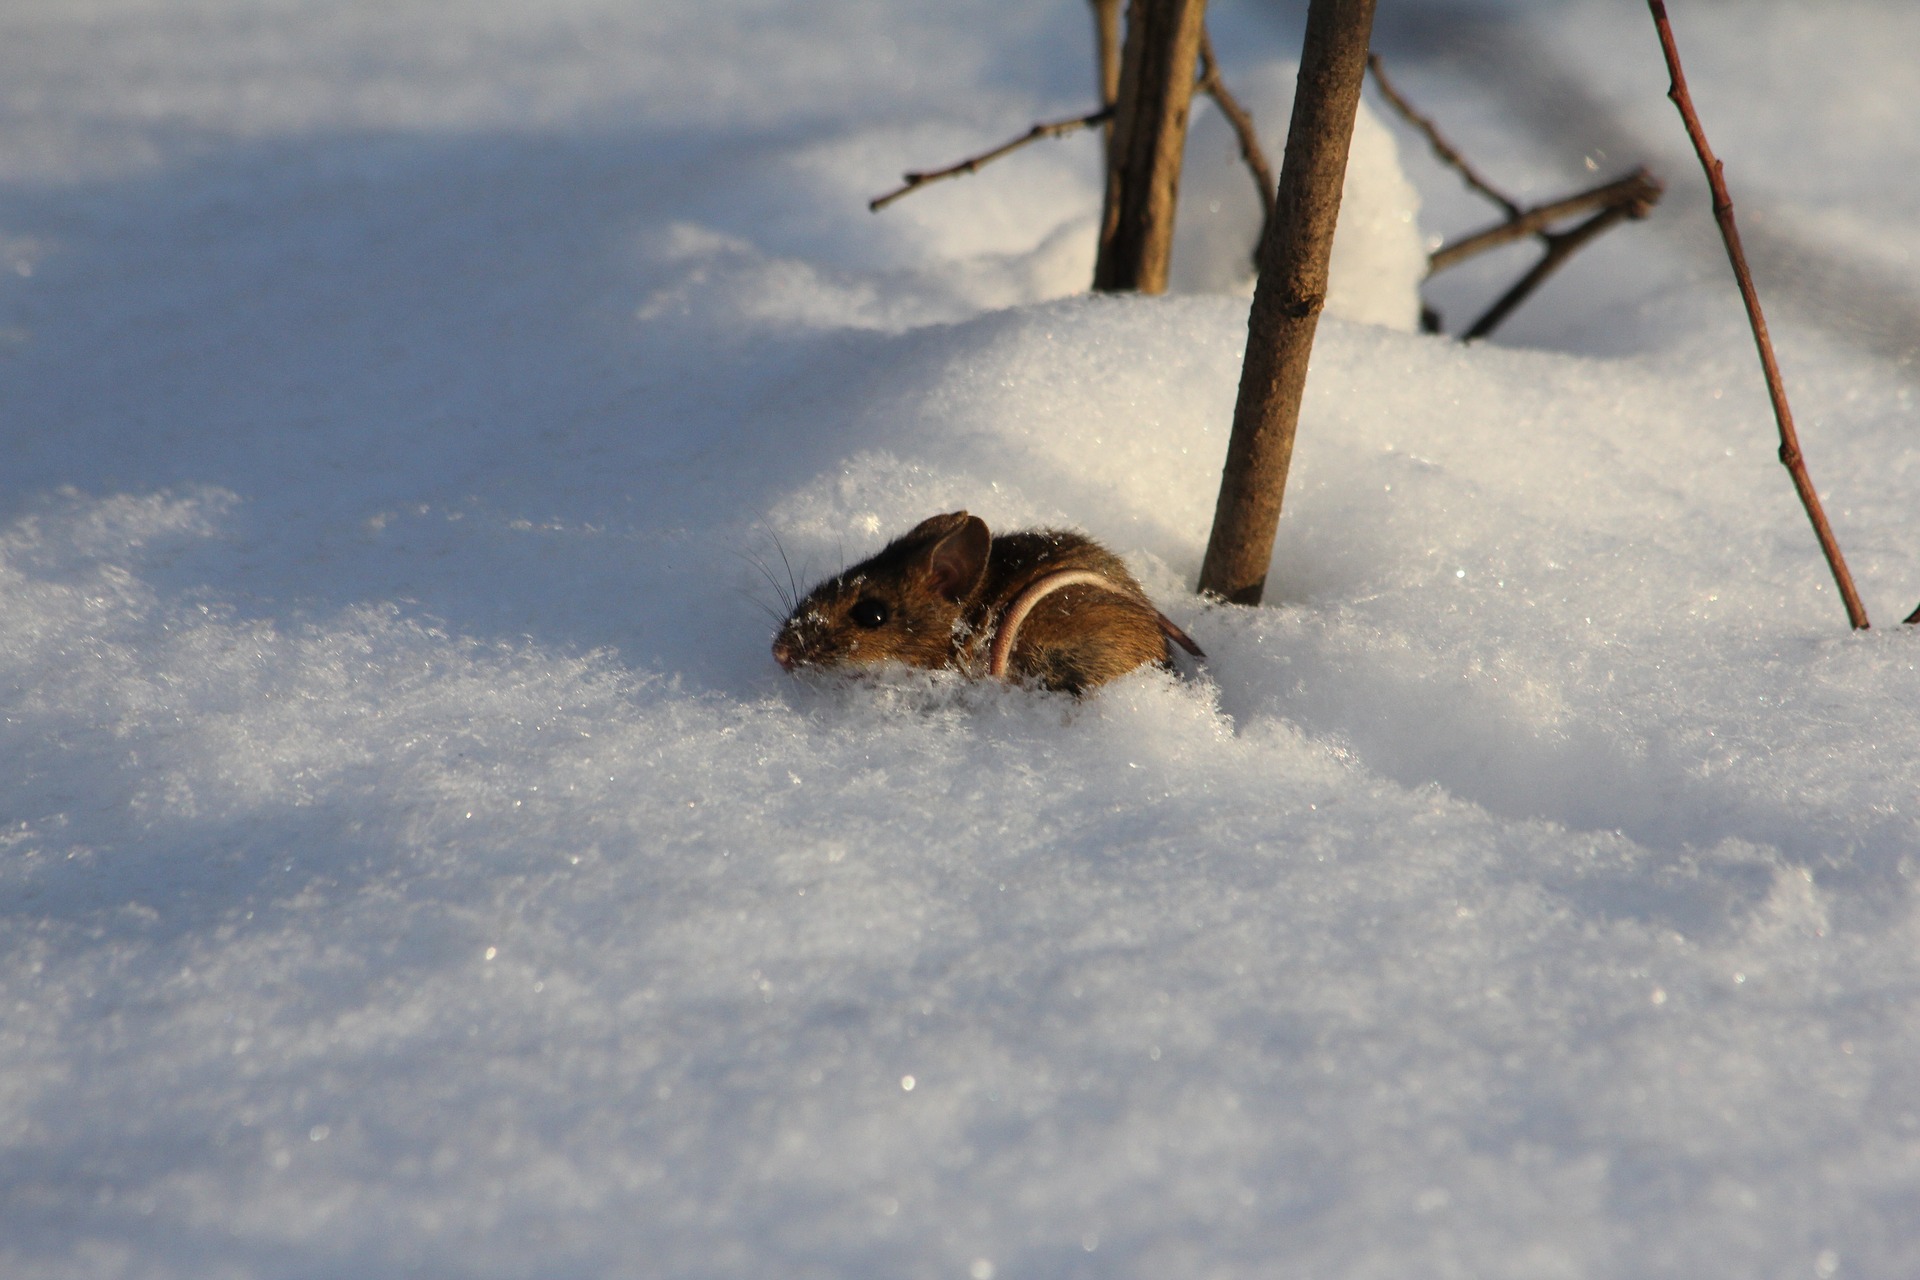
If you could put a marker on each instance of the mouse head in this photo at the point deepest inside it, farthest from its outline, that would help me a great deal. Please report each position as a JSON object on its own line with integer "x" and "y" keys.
{"x": 903, "y": 605}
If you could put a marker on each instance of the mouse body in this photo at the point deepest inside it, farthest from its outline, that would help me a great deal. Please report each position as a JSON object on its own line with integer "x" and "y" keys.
{"x": 1045, "y": 607}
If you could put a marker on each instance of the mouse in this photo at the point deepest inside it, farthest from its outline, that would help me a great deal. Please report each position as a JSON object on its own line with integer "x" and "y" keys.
{"x": 1045, "y": 607}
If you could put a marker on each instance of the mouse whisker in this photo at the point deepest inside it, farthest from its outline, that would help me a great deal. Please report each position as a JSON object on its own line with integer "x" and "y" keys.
{"x": 752, "y": 596}
{"x": 793, "y": 599}
{"x": 787, "y": 600}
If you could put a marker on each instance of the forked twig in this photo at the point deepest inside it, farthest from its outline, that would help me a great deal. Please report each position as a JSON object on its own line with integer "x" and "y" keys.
{"x": 1242, "y": 121}
{"x": 1561, "y": 245}
{"x": 1631, "y": 196}
{"x": 1634, "y": 195}
{"x": 1783, "y": 415}
{"x": 1052, "y": 129}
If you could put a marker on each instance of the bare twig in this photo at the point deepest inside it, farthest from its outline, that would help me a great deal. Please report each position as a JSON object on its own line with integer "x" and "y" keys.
{"x": 1561, "y": 245}
{"x": 1435, "y": 139}
{"x": 1783, "y": 415}
{"x": 1053, "y": 129}
{"x": 1635, "y": 194}
{"x": 1242, "y": 121}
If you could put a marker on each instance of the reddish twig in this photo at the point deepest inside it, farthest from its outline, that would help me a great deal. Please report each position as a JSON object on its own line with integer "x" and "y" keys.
{"x": 1790, "y": 455}
{"x": 1242, "y": 122}
{"x": 1441, "y": 147}
{"x": 1054, "y": 129}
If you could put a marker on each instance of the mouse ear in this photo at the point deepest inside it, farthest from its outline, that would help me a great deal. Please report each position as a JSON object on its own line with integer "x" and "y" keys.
{"x": 933, "y": 527}
{"x": 958, "y": 561}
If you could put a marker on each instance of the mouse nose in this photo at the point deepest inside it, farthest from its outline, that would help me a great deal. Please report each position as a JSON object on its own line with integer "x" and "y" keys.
{"x": 783, "y": 655}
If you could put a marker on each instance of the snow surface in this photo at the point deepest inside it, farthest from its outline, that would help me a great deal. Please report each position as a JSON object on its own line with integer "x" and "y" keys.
{"x": 413, "y": 862}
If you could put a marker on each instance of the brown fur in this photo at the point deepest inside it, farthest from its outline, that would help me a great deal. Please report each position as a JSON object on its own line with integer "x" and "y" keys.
{"x": 942, "y": 589}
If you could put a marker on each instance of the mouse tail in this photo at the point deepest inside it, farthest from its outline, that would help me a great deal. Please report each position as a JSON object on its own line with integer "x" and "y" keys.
{"x": 1172, "y": 632}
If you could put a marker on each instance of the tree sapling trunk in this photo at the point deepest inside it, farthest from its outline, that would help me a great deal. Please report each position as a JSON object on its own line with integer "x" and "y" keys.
{"x": 1149, "y": 136}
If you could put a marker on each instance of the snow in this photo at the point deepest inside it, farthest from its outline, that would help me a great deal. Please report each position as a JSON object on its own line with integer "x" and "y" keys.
{"x": 413, "y": 862}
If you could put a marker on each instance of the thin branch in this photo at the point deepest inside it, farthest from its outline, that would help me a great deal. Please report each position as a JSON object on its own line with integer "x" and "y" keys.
{"x": 1242, "y": 121}
{"x": 1053, "y": 129}
{"x": 1636, "y": 194}
{"x": 1783, "y": 415}
{"x": 1561, "y": 245}
{"x": 1435, "y": 139}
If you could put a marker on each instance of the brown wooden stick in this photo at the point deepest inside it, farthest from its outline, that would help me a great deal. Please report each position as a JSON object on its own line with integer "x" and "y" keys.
{"x": 1441, "y": 147}
{"x": 1637, "y": 193}
{"x": 1242, "y": 121}
{"x": 1287, "y": 300}
{"x": 1052, "y": 129}
{"x": 1790, "y": 456}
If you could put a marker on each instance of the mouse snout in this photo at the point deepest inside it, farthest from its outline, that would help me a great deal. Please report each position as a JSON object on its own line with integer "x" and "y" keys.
{"x": 783, "y": 655}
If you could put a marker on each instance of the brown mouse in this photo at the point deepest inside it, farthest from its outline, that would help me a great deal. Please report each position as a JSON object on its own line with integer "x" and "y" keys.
{"x": 1051, "y": 608}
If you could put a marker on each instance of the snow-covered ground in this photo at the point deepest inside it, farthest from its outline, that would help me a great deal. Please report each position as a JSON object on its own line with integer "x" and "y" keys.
{"x": 413, "y": 862}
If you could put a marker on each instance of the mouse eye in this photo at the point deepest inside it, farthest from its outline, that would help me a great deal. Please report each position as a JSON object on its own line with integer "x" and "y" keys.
{"x": 869, "y": 613}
